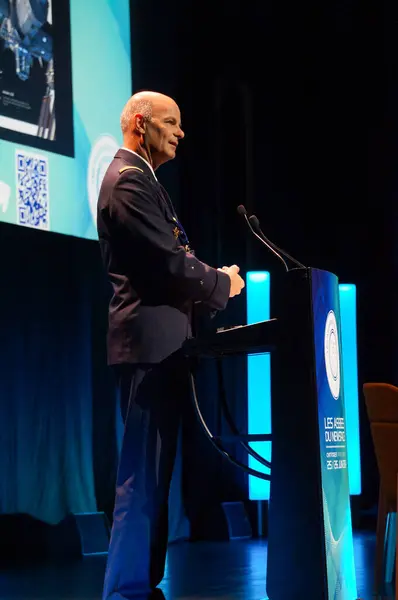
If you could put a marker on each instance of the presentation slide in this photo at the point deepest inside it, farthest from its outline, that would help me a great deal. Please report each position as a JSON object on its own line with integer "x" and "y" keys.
{"x": 65, "y": 75}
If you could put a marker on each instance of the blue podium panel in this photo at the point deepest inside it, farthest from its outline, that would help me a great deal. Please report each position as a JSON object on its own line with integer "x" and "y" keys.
{"x": 332, "y": 437}
{"x": 309, "y": 525}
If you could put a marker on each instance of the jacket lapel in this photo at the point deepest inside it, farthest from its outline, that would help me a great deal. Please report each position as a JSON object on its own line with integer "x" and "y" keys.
{"x": 132, "y": 160}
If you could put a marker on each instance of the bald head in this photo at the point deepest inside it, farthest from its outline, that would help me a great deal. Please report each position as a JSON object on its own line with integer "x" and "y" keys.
{"x": 146, "y": 104}
{"x": 136, "y": 105}
{"x": 151, "y": 126}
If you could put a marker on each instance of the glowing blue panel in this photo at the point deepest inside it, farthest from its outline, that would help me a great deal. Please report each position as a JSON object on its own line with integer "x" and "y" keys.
{"x": 347, "y": 293}
{"x": 258, "y": 285}
{"x": 259, "y": 381}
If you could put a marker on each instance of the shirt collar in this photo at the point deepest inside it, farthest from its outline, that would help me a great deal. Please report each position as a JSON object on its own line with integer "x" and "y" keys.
{"x": 145, "y": 161}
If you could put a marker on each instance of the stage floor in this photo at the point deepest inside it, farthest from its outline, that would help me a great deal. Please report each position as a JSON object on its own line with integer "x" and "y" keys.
{"x": 220, "y": 570}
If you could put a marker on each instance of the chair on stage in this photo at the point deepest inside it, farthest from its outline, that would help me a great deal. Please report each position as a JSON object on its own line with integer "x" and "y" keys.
{"x": 382, "y": 407}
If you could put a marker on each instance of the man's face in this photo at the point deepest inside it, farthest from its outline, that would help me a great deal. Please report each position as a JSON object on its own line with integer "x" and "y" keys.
{"x": 163, "y": 131}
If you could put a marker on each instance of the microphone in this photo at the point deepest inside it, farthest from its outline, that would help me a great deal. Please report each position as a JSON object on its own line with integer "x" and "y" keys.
{"x": 243, "y": 212}
{"x": 256, "y": 226}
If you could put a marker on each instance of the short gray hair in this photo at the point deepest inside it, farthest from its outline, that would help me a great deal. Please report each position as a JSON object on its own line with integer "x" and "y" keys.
{"x": 134, "y": 106}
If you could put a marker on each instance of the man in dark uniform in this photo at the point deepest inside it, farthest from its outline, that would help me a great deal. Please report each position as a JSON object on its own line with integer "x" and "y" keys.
{"x": 156, "y": 279}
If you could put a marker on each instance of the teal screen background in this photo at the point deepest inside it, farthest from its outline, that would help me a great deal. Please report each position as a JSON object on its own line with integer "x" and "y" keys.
{"x": 101, "y": 82}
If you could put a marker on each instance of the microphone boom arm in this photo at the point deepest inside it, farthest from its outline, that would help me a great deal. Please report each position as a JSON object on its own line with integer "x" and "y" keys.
{"x": 242, "y": 211}
{"x": 254, "y": 220}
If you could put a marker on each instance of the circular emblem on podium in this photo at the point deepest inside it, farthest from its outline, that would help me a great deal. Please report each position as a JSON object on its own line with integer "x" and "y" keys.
{"x": 102, "y": 153}
{"x": 332, "y": 355}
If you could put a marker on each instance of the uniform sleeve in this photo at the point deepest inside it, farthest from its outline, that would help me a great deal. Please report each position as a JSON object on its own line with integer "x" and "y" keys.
{"x": 137, "y": 214}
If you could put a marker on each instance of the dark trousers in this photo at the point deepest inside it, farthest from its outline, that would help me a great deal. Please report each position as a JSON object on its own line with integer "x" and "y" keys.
{"x": 154, "y": 401}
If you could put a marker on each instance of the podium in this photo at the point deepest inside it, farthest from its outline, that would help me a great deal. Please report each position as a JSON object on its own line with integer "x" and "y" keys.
{"x": 310, "y": 543}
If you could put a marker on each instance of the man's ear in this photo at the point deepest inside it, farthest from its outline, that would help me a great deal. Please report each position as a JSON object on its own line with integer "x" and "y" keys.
{"x": 139, "y": 122}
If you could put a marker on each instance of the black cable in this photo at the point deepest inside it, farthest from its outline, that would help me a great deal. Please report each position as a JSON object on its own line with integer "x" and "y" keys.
{"x": 217, "y": 444}
{"x": 231, "y": 422}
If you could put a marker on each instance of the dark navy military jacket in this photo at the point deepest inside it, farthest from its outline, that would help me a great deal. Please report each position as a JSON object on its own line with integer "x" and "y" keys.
{"x": 155, "y": 277}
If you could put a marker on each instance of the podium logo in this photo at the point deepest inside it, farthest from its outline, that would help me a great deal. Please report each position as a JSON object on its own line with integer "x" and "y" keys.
{"x": 332, "y": 355}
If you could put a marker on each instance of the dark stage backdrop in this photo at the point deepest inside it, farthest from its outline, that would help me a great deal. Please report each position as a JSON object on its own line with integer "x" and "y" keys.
{"x": 59, "y": 420}
{"x": 290, "y": 109}
{"x": 57, "y": 404}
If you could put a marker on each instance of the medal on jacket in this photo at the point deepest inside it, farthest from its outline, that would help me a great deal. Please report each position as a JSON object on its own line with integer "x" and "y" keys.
{"x": 178, "y": 230}
{"x": 179, "y": 233}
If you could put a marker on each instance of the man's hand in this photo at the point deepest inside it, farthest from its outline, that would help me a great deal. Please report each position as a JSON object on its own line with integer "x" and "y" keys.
{"x": 237, "y": 283}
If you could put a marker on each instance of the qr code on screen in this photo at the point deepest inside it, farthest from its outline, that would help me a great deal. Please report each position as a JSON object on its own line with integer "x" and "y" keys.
{"x": 32, "y": 190}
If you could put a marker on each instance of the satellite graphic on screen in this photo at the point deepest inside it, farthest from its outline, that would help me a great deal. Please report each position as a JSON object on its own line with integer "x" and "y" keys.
{"x": 27, "y": 90}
